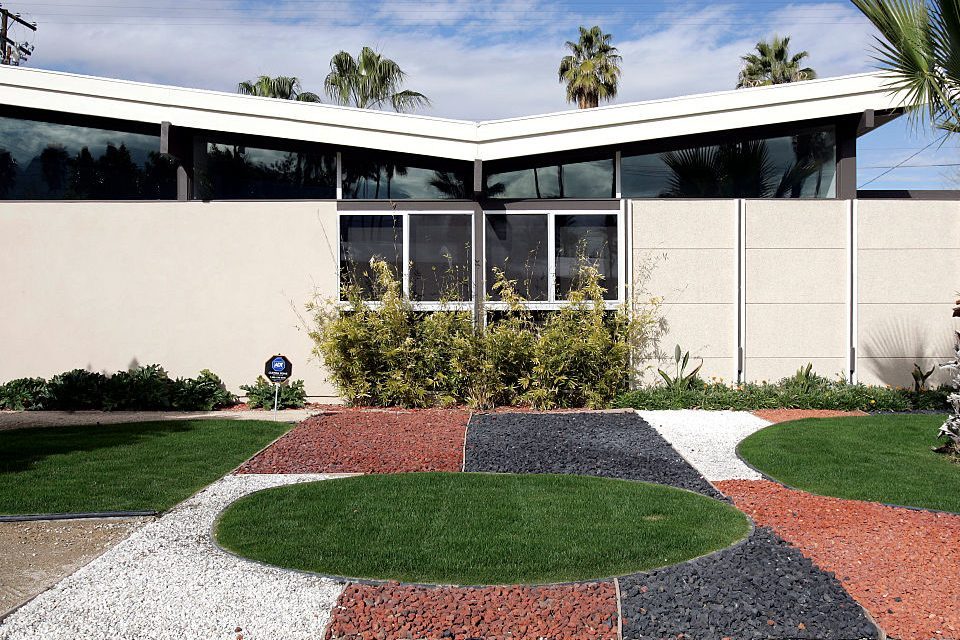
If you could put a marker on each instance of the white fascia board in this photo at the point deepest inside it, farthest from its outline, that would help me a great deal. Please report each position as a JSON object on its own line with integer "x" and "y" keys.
{"x": 439, "y": 137}
{"x": 686, "y": 115}
{"x": 227, "y": 112}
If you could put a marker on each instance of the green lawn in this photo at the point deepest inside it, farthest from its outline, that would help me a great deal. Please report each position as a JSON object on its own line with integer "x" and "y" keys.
{"x": 882, "y": 458}
{"x": 471, "y": 528}
{"x": 140, "y": 466}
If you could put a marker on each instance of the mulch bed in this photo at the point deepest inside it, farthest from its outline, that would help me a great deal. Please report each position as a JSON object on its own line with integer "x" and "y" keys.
{"x": 368, "y": 441}
{"x": 567, "y": 612}
{"x": 760, "y": 589}
{"x": 786, "y": 415}
{"x": 901, "y": 564}
{"x": 613, "y": 445}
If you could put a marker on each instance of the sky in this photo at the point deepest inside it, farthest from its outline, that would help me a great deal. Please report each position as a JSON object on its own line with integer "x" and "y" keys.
{"x": 476, "y": 59}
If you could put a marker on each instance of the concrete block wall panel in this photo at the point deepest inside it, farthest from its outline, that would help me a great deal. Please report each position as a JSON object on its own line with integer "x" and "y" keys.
{"x": 908, "y": 255}
{"x": 188, "y": 285}
{"x": 796, "y": 287}
{"x": 693, "y": 245}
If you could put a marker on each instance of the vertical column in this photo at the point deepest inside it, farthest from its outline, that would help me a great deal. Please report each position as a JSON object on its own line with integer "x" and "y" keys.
{"x": 177, "y": 143}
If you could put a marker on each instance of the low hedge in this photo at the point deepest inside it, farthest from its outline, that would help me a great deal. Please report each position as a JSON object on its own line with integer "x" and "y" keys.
{"x": 824, "y": 394}
{"x": 141, "y": 388}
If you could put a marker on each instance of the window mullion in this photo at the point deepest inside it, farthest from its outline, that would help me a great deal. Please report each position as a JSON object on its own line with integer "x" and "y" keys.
{"x": 551, "y": 258}
{"x": 406, "y": 254}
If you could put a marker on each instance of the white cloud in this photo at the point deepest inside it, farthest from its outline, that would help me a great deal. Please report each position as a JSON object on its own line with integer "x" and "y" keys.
{"x": 500, "y": 60}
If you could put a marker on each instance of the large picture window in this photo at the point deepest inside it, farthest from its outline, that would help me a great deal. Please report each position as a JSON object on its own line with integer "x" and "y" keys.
{"x": 517, "y": 245}
{"x": 797, "y": 166}
{"x": 363, "y": 238}
{"x": 380, "y": 175}
{"x": 48, "y": 161}
{"x": 542, "y": 252}
{"x": 431, "y": 253}
{"x": 241, "y": 172}
{"x": 591, "y": 238}
{"x": 551, "y": 179}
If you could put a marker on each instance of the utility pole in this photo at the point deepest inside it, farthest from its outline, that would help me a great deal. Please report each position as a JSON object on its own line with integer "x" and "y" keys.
{"x": 23, "y": 50}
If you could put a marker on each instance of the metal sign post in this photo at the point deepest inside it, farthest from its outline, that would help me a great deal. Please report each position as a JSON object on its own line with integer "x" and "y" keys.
{"x": 277, "y": 369}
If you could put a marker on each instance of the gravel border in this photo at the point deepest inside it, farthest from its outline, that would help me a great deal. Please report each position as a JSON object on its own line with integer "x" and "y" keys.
{"x": 612, "y": 445}
{"x": 709, "y": 439}
{"x": 760, "y": 589}
{"x": 169, "y": 580}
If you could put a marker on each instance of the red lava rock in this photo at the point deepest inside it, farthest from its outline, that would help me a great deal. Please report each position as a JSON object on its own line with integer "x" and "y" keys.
{"x": 368, "y": 441}
{"x": 900, "y": 564}
{"x": 576, "y": 612}
{"x": 786, "y": 415}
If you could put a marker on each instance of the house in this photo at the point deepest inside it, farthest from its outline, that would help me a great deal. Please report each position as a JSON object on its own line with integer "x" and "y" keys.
{"x": 143, "y": 223}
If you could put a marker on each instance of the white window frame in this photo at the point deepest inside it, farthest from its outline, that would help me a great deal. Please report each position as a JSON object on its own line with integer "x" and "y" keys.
{"x": 419, "y": 305}
{"x": 552, "y": 303}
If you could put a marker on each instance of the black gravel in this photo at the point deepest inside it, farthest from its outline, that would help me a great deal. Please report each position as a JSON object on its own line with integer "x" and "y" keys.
{"x": 763, "y": 588}
{"x": 611, "y": 445}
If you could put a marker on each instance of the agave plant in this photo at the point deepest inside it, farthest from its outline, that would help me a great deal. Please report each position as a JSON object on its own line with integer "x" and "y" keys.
{"x": 681, "y": 380}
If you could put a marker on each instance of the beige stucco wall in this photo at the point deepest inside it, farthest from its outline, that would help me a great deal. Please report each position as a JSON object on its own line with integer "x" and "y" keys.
{"x": 693, "y": 247}
{"x": 796, "y": 287}
{"x": 186, "y": 285}
{"x": 908, "y": 273}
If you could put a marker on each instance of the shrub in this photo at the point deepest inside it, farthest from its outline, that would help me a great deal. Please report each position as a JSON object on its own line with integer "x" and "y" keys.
{"x": 381, "y": 352}
{"x": 806, "y": 391}
{"x": 260, "y": 394}
{"x": 24, "y": 393}
{"x": 141, "y": 388}
{"x": 77, "y": 390}
{"x": 206, "y": 392}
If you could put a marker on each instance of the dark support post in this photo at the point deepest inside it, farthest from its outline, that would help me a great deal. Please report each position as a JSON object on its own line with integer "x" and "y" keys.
{"x": 177, "y": 143}
{"x": 479, "y": 284}
{"x": 847, "y": 159}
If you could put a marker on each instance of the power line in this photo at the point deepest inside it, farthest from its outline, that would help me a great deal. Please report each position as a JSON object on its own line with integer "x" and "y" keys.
{"x": 13, "y": 52}
{"x": 904, "y": 161}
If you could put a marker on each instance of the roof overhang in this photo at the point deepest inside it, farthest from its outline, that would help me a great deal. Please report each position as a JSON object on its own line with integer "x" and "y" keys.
{"x": 457, "y": 139}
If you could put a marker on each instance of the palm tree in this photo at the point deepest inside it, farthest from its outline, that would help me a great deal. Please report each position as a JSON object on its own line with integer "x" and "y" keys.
{"x": 919, "y": 48}
{"x": 592, "y": 69}
{"x": 773, "y": 64}
{"x": 282, "y": 87}
{"x": 370, "y": 81}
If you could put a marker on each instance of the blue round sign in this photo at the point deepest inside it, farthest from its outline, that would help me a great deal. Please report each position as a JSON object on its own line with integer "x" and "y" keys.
{"x": 278, "y": 364}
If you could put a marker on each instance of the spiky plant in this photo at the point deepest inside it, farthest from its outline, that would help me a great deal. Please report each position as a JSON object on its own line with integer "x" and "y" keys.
{"x": 773, "y": 64}
{"x": 918, "y": 47}
{"x": 592, "y": 69}
{"x": 370, "y": 81}
{"x": 281, "y": 87}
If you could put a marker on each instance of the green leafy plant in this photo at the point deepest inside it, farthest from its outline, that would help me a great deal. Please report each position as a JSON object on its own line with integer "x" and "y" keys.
{"x": 141, "y": 388}
{"x": 206, "y": 392}
{"x": 382, "y": 352}
{"x": 24, "y": 393}
{"x": 260, "y": 394}
{"x": 77, "y": 390}
{"x": 681, "y": 380}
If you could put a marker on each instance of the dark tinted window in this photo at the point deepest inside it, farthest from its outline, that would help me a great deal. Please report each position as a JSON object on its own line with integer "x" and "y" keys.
{"x": 590, "y": 179}
{"x": 46, "y": 161}
{"x": 391, "y": 176}
{"x": 236, "y": 172}
{"x": 440, "y": 257}
{"x": 363, "y": 238}
{"x": 592, "y": 238}
{"x": 517, "y": 244}
{"x": 798, "y": 166}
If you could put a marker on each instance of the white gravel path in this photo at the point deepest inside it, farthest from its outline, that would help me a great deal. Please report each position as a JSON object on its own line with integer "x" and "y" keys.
{"x": 708, "y": 439}
{"x": 168, "y": 580}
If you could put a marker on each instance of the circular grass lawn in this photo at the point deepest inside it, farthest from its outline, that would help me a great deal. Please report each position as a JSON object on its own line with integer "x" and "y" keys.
{"x": 477, "y": 528}
{"x": 881, "y": 458}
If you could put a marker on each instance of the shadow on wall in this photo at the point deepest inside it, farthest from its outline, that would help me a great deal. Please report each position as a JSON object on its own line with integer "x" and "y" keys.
{"x": 893, "y": 348}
